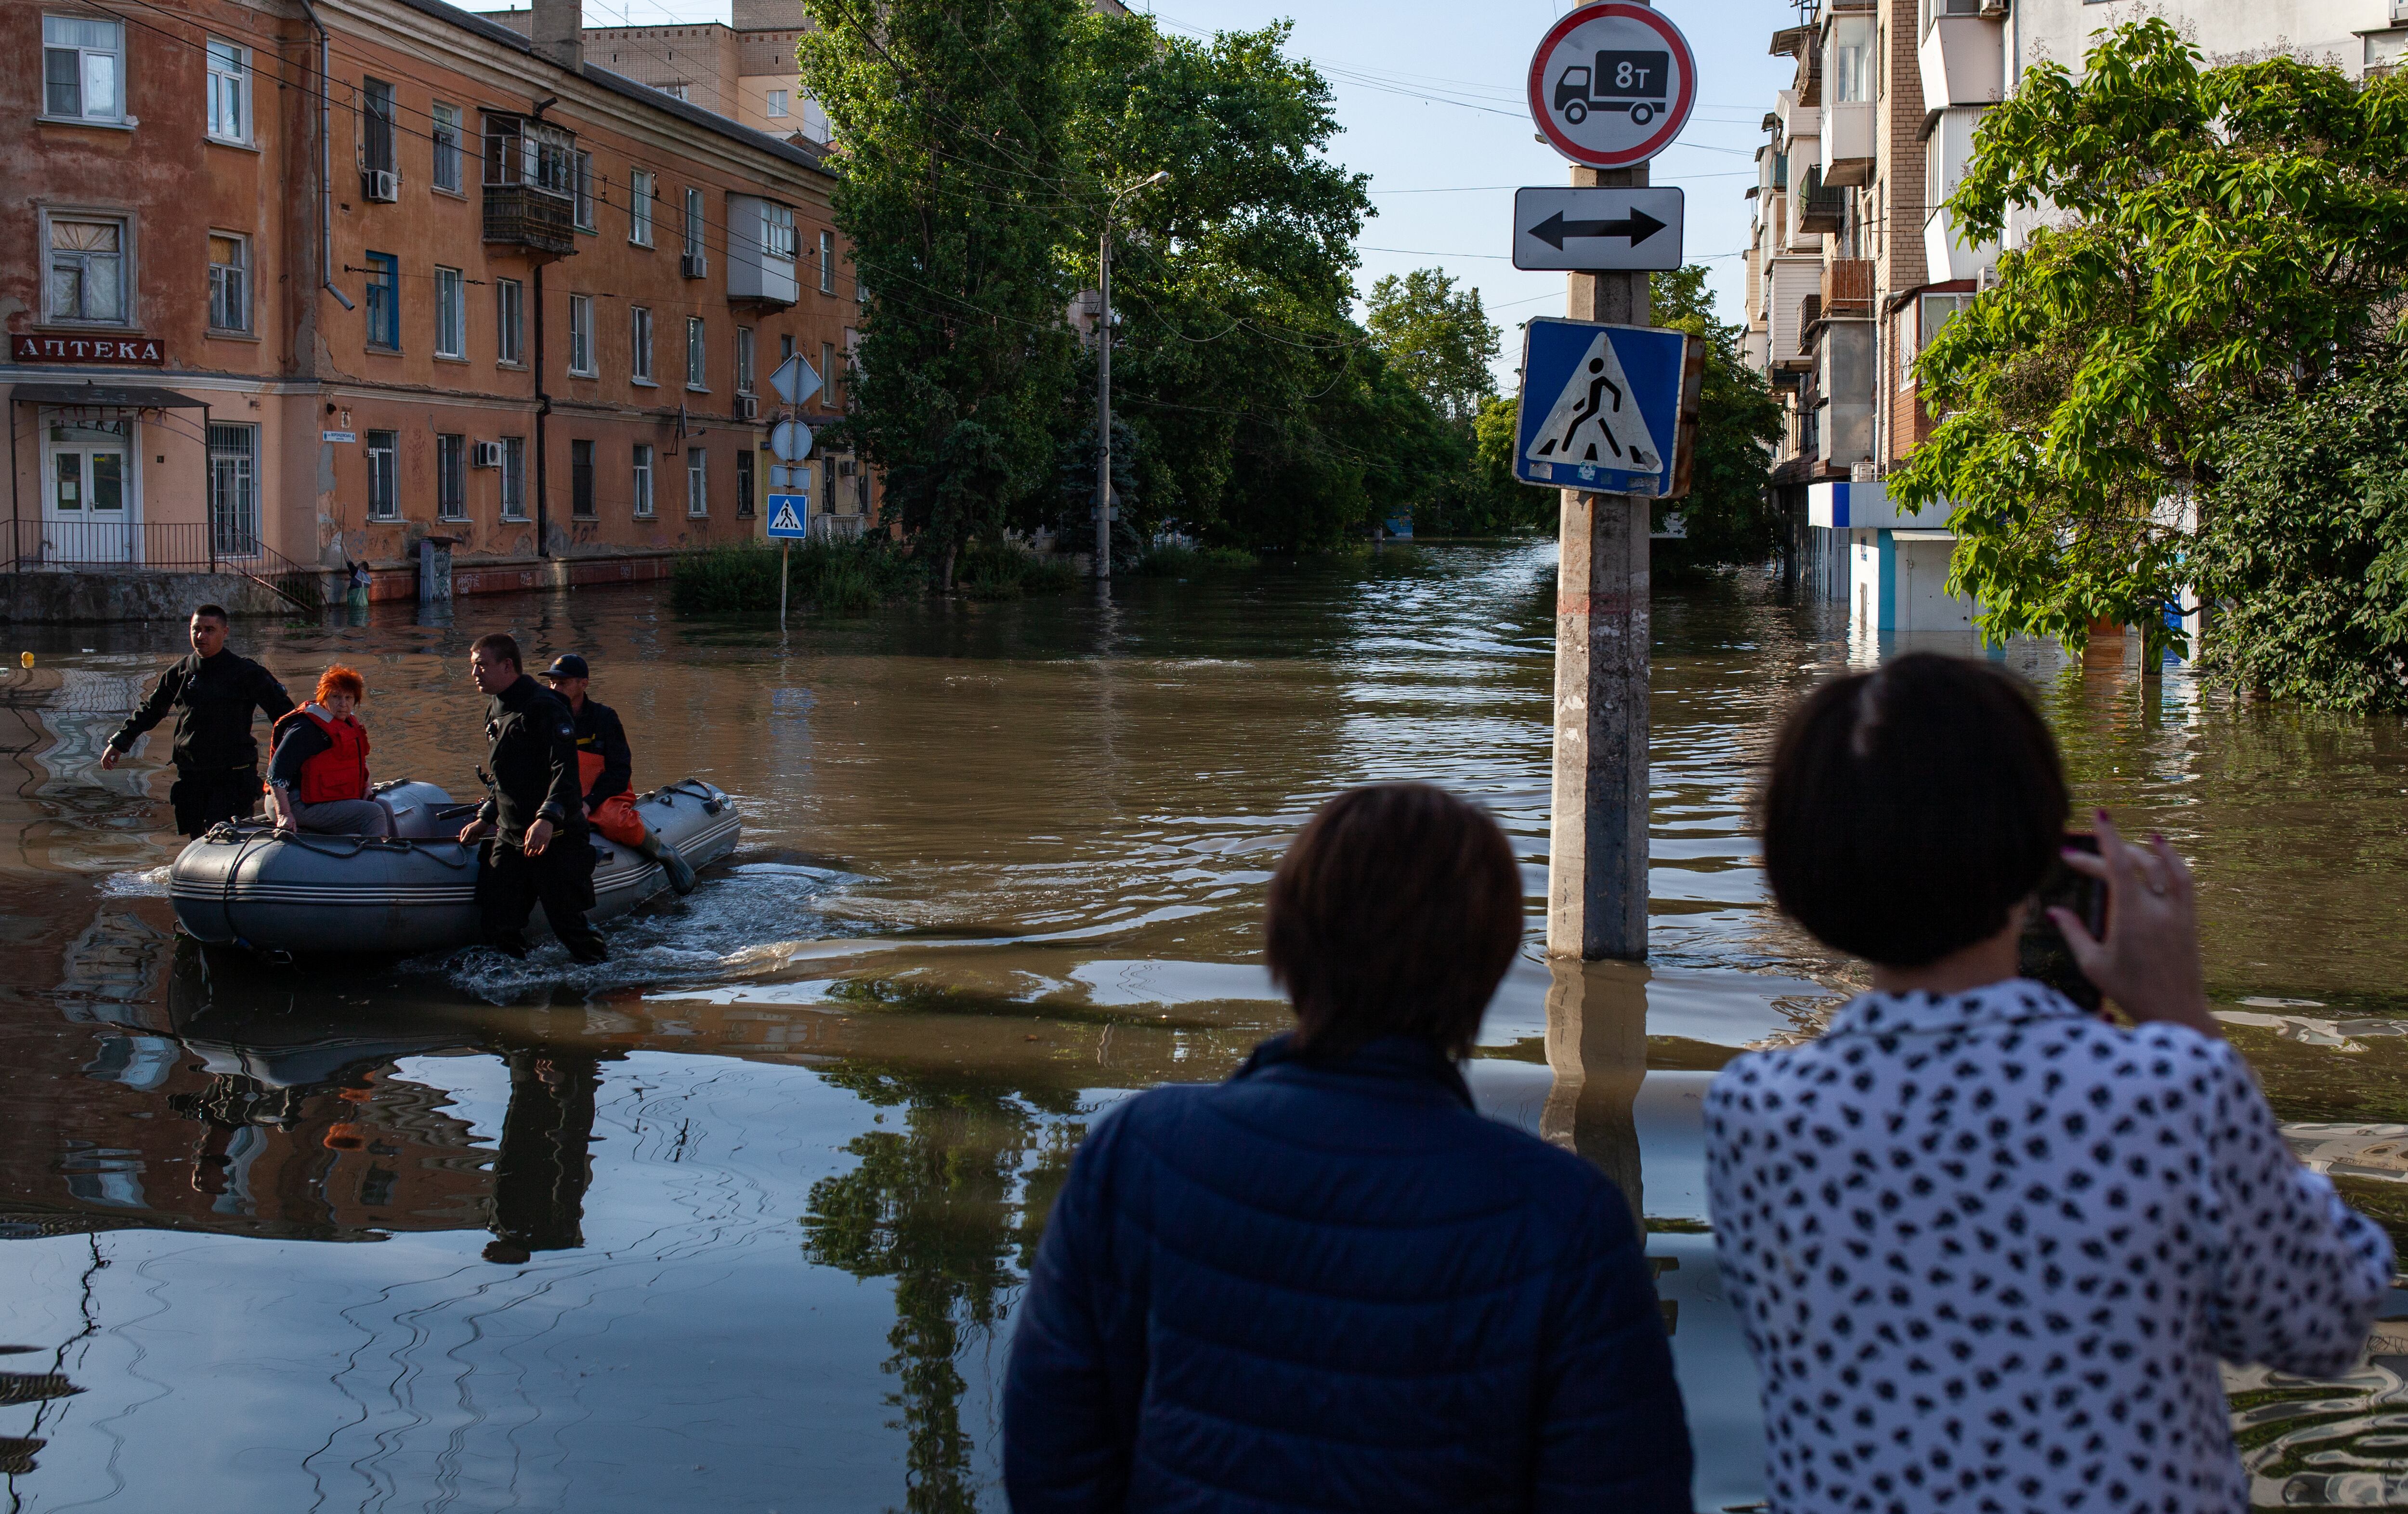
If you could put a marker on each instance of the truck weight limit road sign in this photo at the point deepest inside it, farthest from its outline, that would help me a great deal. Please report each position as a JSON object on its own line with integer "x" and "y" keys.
{"x": 1613, "y": 84}
{"x": 1598, "y": 230}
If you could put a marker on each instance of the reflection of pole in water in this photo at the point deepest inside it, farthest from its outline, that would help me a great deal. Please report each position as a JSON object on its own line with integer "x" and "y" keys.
{"x": 1597, "y": 1047}
{"x": 543, "y": 1168}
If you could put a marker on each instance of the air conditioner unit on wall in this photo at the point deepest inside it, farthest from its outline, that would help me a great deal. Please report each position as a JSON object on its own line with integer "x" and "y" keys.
{"x": 694, "y": 264}
{"x": 485, "y": 455}
{"x": 748, "y": 407}
{"x": 381, "y": 185}
{"x": 2399, "y": 12}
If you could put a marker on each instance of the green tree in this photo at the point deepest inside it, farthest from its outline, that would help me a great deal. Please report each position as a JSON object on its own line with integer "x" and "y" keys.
{"x": 953, "y": 125}
{"x": 2305, "y": 542}
{"x": 2221, "y": 241}
{"x": 1728, "y": 513}
{"x": 1437, "y": 339}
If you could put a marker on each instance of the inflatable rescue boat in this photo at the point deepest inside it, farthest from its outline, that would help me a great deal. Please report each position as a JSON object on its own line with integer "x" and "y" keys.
{"x": 244, "y": 885}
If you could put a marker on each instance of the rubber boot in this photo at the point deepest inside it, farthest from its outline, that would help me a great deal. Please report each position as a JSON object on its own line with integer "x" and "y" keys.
{"x": 681, "y": 876}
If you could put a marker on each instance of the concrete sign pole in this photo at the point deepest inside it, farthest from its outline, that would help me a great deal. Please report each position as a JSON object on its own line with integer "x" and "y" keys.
{"x": 1597, "y": 846}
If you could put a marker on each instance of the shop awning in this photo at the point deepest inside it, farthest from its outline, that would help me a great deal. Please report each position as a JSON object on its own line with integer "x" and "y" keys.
{"x": 123, "y": 397}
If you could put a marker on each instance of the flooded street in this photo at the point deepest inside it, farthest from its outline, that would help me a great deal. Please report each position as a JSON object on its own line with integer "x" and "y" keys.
{"x": 737, "y": 1219}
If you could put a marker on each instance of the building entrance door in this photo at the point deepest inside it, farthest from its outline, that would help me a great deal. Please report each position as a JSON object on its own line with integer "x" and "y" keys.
{"x": 86, "y": 492}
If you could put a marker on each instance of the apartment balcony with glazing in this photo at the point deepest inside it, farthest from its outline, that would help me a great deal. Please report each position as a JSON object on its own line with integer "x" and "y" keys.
{"x": 530, "y": 184}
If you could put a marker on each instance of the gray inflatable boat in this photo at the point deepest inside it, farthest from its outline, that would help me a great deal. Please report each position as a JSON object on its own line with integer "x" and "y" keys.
{"x": 244, "y": 885}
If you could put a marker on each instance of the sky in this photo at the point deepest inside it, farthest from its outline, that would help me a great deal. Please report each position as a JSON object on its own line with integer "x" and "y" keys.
{"x": 1431, "y": 99}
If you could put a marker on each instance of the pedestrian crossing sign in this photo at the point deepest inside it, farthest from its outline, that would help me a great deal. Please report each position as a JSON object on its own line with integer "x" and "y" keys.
{"x": 787, "y": 513}
{"x": 1600, "y": 406}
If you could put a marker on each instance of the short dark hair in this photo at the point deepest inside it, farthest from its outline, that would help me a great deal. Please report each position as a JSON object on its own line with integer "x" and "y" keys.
{"x": 498, "y": 644}
{"x": 1394, "y": 913}
{"x": 1910, "y": 808}
{"x": 213, "y": 612}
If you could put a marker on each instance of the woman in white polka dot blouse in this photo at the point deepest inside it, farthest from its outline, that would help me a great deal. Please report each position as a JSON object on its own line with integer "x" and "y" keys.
{"x": 1987, "y": 1246}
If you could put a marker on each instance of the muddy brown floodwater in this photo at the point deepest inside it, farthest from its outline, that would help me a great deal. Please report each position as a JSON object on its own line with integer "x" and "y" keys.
{"x": 739, "y": 1220}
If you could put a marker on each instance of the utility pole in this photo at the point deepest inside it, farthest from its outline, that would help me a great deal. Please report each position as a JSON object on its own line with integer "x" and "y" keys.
{"x": 1104, "y": 378}
{"x": 1597, "y": 842}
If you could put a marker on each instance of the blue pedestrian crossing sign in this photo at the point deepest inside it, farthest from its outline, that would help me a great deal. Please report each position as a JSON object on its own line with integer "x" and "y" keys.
{"x": 1600, "y": 406}
{"x": 788, "y": 513}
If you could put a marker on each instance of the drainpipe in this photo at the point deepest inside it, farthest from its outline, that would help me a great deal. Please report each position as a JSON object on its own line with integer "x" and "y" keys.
{"x": 543, "y": 396}
{"x": 325, "y": 160}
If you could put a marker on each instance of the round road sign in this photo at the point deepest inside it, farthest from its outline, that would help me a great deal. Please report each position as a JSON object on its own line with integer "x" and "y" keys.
{"x": 1613, "y": 83}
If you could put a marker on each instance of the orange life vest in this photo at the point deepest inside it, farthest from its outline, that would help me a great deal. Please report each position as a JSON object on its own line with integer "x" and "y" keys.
{"x": 339, "y": 771}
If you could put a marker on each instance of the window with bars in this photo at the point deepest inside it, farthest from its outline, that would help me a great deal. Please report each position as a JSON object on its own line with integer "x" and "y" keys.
{"x": 229, "y": 91}
{"x": 376, "y": 125}
{"x": 514, "y": 477}
{"x": 83, "y": 69}
{"x": 384, "y": 494}
{"x": 382, "y": 304}
{"x": 229, "y": 282}
{"x": 450, "y": 314}
{"x": 580, "y": 480}
{"x": 451, "y": 476}
{"x": 88, "y": 278}
{"x": 234, "y": 489}
{"x": 447, "y": 147}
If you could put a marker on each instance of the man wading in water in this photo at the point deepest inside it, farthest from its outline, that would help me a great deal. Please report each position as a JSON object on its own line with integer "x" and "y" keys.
{"x": 533, "y": 820}
{"x": 213, "y": 693}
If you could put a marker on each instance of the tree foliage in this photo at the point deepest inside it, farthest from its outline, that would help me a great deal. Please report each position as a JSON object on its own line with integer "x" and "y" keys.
{"x": 2306, "y": 541}
{"x": 1728, "y": 516}
{"x": 951, "y": 161}
{"x": 2219, "y": 242}
{"x": 1437, "y": 339}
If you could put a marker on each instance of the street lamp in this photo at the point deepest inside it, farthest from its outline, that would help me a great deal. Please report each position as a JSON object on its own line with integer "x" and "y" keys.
{"x": 1104, "y": 378}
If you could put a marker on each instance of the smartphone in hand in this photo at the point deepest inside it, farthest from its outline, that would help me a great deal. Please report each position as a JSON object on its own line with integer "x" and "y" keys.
{"x": 2041, "y": 954}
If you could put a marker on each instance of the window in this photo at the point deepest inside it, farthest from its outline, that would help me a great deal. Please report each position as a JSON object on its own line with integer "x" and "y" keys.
{"x": 694, "y": 222}
{"x": 697, "y": 482}
{"x": 510, "y": 320}
{"x": 827, "y": 264}
{"x": 785, "y": 347}
{"x": 584, "y": 191}
{"x": 777, "y": 102}
{"x": 695, "y": 375}
{"x": 234, "y": 489}
{"x": 827, "y": 375}
{"x": 451, "y": 477}
{"x": 383, "y": 302}
{"x": 229, "y": 282}
{"x": 580, "y": 335}
{"x": 88, "y": 278}
{"x": 83, "y": 69}
{"x": 643, "y": 481}
{"x": 514, "y": 477}
{"x": 639, "y": 207}
{"x": 777, "y": 232}
{"x": 580, "y": 480}
{"x": 1935, "y": 311}
{"x": 675, "y": 92}
{"x": 384, "y": 499}
{"x": 376, "y": 125}
{"x": 447, "y": 147}
{"x": 744, "y": 360}
{"x": 1932, "y": 8}
{"x": 745, "y": 475}
{"x": 639, "y": 345}
{"x": 1850, "y": 65}
{"x": 450, "y": 314}
{"x": 229, "y": 92}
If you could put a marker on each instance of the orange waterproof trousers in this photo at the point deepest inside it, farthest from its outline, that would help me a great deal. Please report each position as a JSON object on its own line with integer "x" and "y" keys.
{"x": 615, "y": 817}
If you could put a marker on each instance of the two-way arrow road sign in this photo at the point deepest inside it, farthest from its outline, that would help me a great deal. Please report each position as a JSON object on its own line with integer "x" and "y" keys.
{"x": 1598, "y": 230}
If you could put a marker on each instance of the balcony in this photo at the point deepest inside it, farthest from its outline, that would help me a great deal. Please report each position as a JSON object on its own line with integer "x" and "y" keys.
{"x": 1848, "y": 288}
{"x": 1809, "y": 316}
{"x": 1962, "y": 61}
{"x": 1850, "y": 134}
{"x": 1820, "y": 206}
{"x": 525, "y": 216}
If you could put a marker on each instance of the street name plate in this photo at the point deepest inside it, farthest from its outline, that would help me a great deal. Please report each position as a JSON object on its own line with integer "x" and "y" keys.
{"x": 1598, "y": 230}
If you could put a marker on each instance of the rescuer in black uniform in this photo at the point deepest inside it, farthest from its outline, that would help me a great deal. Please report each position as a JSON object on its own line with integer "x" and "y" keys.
{"x": 533, "y": 820}
{"x": 213, "y": 693}
{"x": 606, "y": 767}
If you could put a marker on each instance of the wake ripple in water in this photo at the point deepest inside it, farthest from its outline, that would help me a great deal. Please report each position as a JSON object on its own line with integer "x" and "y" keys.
{"x": 735, "y": 915}
{"x": 145, "y": 883}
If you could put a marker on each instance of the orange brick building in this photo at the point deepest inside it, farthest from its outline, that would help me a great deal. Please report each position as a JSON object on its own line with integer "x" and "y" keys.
{"x": 305, "y": 284}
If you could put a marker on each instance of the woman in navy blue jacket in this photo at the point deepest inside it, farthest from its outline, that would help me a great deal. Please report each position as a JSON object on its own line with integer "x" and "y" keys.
{"x": 1328, "y": 1283}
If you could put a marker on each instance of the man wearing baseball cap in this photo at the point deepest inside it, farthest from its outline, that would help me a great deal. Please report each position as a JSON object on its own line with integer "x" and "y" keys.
{"x": 606, "y": 768}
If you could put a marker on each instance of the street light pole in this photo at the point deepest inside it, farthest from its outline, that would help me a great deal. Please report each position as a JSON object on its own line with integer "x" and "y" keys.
{"x": 1104, "y": 379}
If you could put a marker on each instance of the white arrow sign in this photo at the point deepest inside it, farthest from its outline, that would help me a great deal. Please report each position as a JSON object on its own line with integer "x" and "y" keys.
{"x": 1597, "y": 229}
{"x": 795, "y": 381}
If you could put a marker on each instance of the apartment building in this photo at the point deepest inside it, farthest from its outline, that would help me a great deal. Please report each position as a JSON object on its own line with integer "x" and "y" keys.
{"x": 304, "y": 283}
{"x": 744, "y": 69}
{"x": 1854, "y": 264}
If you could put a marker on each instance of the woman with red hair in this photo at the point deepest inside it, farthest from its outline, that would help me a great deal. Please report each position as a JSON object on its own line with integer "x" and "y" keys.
{"x": 318, "y": 781}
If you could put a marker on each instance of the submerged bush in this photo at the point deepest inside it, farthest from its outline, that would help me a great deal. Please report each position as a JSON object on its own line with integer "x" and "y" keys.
{"x": 1177, "y": 560}
{"x": 841, "y": 577}
{"x": 999, "y": 570}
